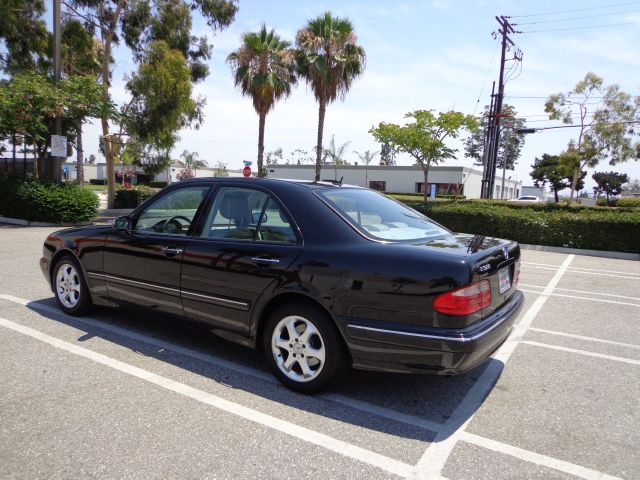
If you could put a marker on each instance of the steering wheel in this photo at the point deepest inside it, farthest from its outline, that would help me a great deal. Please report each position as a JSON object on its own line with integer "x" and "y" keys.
{"x": 173, "y": 225}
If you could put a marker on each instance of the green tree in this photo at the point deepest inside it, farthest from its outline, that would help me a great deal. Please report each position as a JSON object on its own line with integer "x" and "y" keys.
{"x": 81, "y": 56}
{"x": 387, "y": 155}
{"x": 424, "y": 137}
{"x": 274, "y": 156}
{"x": 29, "y": 102}
{"x": 155, "y": 32}
{"x": 366, "y": 158}
{"x": 510, "y": 144}
{"x": 605, "y": 119}
{"x": 24, "y": 34}
{"x": 329, "y": 60}
{"x": 609, "y": 183}
{"x": 549, "y": 170}
{"x": 263, "y": 69}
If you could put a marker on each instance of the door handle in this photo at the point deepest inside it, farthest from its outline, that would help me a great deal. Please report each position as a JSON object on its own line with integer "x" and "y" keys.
{"x": 172, "y": 251}
{"x": 265, "y": 260}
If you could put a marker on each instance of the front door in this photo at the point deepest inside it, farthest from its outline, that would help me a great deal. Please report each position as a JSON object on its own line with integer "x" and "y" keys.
{"x": 142, "y": 266}
{"x": 247, "y": 244}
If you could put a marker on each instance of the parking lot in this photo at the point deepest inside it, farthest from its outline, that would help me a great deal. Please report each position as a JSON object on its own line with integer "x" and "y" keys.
{"x": 120, "y": 395}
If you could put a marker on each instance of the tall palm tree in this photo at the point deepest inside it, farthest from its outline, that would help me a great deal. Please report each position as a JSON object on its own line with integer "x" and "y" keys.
{"x": 329, "y": 59}
{"x": 264, "y": 69}
{"x": 366, "y": 157}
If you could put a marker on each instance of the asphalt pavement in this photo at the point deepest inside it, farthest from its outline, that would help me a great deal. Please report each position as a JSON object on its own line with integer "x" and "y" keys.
{"x": 117, "y": 394}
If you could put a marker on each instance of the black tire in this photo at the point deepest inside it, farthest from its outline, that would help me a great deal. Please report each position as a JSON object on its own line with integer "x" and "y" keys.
{"x": 325, "y": 338}
{"x": 70, "y": 287}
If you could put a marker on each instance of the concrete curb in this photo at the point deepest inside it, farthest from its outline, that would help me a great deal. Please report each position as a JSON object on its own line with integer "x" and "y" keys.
{"x": 27, "y": 223}
{"x": 579, "y": 251}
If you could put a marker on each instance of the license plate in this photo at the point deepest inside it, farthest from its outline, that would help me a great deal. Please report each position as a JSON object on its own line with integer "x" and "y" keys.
{"x": 504, "y": 282}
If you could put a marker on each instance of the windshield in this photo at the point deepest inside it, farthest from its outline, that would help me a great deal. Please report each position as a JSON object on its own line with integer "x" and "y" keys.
{"x": 380, "y": 217}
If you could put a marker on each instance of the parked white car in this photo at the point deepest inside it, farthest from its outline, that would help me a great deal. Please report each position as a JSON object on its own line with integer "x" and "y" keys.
{"x": 527, "y": 198}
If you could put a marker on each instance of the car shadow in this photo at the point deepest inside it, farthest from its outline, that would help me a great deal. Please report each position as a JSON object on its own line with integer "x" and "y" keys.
{"x": 433, "y": 399}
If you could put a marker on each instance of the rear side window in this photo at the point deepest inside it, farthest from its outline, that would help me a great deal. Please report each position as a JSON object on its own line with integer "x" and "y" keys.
{"x": 246, "y": 214}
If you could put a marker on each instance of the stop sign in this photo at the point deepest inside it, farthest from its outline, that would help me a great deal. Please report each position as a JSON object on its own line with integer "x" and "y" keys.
{"x": 246, "y": 171}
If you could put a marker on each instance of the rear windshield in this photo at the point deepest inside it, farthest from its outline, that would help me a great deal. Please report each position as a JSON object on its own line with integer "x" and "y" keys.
{"x": 380, "y": 217}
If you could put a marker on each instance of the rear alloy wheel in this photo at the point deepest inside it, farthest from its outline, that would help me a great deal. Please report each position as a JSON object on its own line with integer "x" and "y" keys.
{"x": 70, "y": 287}
{"x": 303, "y": 348}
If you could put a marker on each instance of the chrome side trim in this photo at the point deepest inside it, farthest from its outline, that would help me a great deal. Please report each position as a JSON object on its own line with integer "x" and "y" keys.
{"x": 217, "y": 300}
{"x": 136, "y": 283}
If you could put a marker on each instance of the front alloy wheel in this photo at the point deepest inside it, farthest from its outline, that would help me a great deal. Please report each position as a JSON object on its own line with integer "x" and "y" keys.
{"x": 70, "y": 287}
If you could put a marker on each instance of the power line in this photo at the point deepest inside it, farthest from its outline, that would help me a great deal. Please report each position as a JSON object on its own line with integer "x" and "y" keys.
{"x": 580, "y": 28}
{"x": 555, "y": 20}
{"x": 574, "y": 10}
{"x": 484, "y": 84}
{"x": 632, "y": 122}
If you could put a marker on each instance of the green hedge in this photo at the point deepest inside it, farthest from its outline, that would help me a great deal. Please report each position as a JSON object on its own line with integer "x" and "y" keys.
{"x": 562, "y": 226}
{"x": 131, "y": 198}
{"x": 46, "y": 201}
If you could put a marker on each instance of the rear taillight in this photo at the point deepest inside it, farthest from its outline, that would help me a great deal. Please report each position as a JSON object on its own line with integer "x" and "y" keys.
{"x": 465, "y": 300}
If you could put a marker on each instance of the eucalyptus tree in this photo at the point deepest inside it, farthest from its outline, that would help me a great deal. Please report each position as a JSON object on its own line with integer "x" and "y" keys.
{"x": 366, "y": 158}
{"x": 605, "y": 118}
{"x": 158, "y": 33}
{"x": 329, "y": 59}
{"x": 23, "y": 36}
{"x": 263, "y": 69}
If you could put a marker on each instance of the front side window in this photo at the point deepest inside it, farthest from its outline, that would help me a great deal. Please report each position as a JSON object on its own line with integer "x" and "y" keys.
{"x": 380, "y": 217}
{"x": 173, "y": 212}
{"x": 245, "y": 214}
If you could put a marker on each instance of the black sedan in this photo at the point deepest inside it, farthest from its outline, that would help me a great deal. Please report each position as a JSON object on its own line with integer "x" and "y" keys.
{"x": 318, "y": 276}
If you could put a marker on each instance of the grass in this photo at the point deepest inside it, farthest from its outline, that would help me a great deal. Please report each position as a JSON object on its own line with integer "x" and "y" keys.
{"x": 95, "y": 188}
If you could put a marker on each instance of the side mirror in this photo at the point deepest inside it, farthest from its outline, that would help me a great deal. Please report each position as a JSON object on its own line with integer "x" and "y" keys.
{"x": 122, "y": 224}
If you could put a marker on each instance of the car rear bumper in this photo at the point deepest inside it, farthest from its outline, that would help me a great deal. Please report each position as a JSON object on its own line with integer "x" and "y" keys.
{"x": 430, "y": 350}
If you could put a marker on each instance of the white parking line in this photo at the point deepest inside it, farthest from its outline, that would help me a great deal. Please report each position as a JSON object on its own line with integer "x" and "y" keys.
{"x": 581, "y": 337}
{"x": 435, "y": 457}
{"x": 333, "y": 444}
{"x": 220, "y": 362}
{"x": 582, "y": 352}
{"x": 631, "y": 276}
{"x": 581, "y": 291}
{"x": 602, "y": 300}
{"x": 571, "y": 269}
{"x": 536, "y": 458}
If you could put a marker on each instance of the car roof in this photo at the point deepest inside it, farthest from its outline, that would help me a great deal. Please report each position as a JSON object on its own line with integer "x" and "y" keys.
{"x": 322, "y": 184}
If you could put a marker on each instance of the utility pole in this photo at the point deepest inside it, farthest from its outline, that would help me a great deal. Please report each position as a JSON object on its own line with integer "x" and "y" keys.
{"x": 489, "y": 177}
{"x": 56, "y": 161}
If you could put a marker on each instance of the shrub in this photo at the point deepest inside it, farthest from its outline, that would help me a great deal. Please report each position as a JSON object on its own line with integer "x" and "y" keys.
{"x": 563, "y": 226}
{"x": 131, "y": 197}
{"x": 155, "y": 184}
{"x": 629, "y": 202}
{"x": 46, "y": 201}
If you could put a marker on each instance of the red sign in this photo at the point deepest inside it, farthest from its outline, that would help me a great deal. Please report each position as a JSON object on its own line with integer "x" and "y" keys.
{"x": 246, "y": 171}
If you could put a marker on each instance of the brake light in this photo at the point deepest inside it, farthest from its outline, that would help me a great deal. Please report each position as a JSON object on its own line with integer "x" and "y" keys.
{"x": 465, "y": 300}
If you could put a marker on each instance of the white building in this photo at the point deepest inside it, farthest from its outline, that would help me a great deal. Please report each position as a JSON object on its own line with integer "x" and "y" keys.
{"x": 401, "y": 179}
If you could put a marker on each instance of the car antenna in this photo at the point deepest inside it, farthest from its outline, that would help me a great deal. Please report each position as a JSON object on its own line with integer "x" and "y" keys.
{"x": 340, "y": 182}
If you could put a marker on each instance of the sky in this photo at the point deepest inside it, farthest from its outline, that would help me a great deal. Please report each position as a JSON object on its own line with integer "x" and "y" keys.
{"x": 437, "y": 54}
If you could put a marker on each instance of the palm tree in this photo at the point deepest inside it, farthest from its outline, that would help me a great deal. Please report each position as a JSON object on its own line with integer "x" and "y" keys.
{"x": 335, "y": 154}
{"x": 190, "y": 161}
{"x": 366, "y": 157}
{"x": 264, "y": 69}
{"x": 329, "y": 59}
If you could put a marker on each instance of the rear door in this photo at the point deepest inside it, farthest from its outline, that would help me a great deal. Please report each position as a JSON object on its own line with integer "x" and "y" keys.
{"x": 142, "y": 267}
{"x": 248, "y": 242}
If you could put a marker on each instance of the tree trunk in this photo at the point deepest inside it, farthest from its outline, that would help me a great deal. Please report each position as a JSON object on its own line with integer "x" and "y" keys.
{"x": 425, "y": 194}
{"x": 555, "y": 194}
{"x": 321, "y": 111}
{"x": 36, "y": 166}
{"x": 574, "y": 183}
{"x": 80, "y": 156}
{"x": 261, "y": 122}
